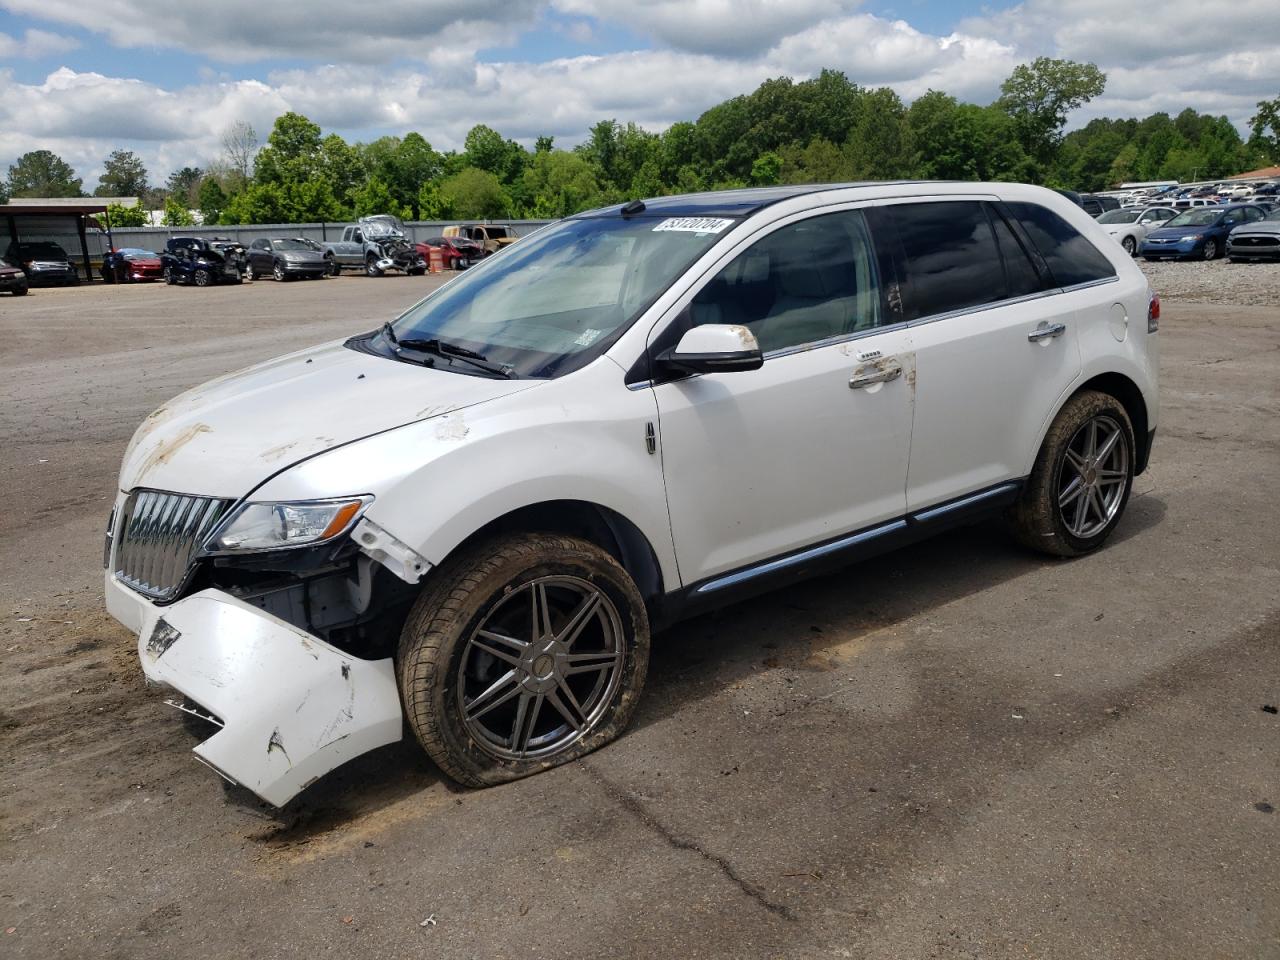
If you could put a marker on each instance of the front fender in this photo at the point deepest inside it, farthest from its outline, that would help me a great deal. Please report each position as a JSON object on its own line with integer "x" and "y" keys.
{"x": 438, "y": 481}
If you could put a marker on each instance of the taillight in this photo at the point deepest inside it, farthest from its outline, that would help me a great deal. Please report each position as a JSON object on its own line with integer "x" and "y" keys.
{"x": 1153, "y": 313}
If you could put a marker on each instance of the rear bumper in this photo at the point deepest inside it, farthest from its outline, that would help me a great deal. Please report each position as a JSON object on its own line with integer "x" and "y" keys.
{"x": 292, "y": 707}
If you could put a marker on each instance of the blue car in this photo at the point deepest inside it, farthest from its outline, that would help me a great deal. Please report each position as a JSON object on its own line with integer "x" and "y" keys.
{"x": 1199, "y": 233}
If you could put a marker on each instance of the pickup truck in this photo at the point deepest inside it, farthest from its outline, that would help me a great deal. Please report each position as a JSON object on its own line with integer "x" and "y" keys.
{"x": 375, "y": 245}
{"x": 493, "y": 238}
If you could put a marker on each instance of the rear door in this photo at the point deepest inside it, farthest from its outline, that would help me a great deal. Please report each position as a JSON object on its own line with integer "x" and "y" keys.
{"x": 994, "y": 350}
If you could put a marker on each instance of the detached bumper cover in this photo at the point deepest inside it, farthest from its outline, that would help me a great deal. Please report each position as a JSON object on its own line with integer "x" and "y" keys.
{"x": 292, "y": 706}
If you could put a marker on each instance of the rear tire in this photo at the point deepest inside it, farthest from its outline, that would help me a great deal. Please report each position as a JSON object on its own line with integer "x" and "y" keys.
{"x": 20, "y": 291}
{"x": 1085, "y": 464}
{"x": 473, "y": 635}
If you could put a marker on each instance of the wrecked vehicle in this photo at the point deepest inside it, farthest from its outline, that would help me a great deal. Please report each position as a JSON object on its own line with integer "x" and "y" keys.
{"x": 473, "y": 517}
{"x": 202, "y": 261}
{"x": 375, "y": 244}
{"x": 489, "y": 236}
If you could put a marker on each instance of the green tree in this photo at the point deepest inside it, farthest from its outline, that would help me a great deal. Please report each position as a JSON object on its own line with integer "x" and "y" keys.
{"x": 42, "y": 173}
{"x": 257, "y": 203}
{"x": 474, "y": 193}
{"x": 123, "y": 176}
{"x": 176, "y": 213}
{"x": 559, "y": 183}
{"x": 1264, "y": 128}
{"x": 1039, "y": 95}
{"x": 184, "y": 183}
{"x": 342, "y": 166}
{"x": 211, "y": 200}
{"x": 376, "y": 197}
{"x": 767, "y": 169}
{"x": 132, "y": 216}
{"x": 292, "y": 153}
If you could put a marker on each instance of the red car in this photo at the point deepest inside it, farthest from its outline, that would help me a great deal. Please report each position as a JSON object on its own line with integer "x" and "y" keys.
{"x": 130, "y": 264}
{"x": 459, "y": 252}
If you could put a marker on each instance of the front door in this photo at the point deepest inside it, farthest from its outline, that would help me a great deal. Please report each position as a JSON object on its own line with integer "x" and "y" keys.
{"x": 813, "y": 445}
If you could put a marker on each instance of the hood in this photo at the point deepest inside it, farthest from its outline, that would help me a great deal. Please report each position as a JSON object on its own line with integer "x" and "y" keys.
{"x": 302, "y": 256}
{"x": 1173, "y": 233}
{"x": 229, "y": 435}
{"x": 1259, "y": 226}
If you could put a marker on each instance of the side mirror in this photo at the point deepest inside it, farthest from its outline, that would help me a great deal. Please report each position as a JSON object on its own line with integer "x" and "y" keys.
{"x": 716, "y": 348}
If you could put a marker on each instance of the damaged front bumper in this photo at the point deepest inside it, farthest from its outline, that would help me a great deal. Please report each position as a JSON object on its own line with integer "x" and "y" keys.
{"x": 292, "y": 707}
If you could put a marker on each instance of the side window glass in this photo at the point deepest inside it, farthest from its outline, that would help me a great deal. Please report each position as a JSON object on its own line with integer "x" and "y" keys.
{"x": 805, "y": 282}
{"x": 950, "y": 257}
{"x": 1071, "y": 257}
{"x": 1021, "y": 277}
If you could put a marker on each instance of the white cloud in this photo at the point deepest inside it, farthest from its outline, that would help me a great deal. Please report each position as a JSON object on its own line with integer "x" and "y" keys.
{"x": 35, "y": 43}
{"x": 242, "y": 31}
{"x": 730, "y": 28}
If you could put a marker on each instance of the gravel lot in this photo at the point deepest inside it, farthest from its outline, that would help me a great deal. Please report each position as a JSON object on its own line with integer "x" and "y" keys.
{"x": 957, "y": 750}
{"x": 1215, "y": 281}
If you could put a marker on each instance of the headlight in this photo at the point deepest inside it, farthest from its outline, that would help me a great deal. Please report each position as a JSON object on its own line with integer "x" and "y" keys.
{"x": 1190, "y": 236}
{"x": 278, "y": 526}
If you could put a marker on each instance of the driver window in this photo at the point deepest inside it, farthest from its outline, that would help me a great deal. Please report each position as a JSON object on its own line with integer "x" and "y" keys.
{"x": 357, "y": 236}
{"x": 806, "y": 282}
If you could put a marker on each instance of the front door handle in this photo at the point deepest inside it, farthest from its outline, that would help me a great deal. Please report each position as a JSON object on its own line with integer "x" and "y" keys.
{"x": 880, "y": 372}
{"x": 1047, "y": 330}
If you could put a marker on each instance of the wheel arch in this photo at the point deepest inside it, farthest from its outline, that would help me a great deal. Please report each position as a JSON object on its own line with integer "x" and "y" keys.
{"x": 1130, "y": 396}
{"x": 606, "y": 528}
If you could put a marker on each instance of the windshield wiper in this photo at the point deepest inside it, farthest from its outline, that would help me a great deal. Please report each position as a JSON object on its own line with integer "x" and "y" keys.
{"x": 451, "y": 352}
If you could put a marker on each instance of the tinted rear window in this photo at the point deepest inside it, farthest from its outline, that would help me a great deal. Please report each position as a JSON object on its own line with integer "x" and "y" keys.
{"x": 950, "y": 254}
{"x": 1071, "y": 258}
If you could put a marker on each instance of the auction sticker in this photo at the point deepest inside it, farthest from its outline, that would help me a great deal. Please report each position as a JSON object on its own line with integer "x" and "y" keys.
{"x": 694, "y": 224}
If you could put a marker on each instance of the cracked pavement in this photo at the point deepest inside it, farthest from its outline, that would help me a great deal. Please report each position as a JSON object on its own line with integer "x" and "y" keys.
{"x": 957, "y": 750}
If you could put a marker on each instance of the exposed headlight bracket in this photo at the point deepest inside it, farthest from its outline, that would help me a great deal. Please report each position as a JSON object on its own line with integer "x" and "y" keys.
{"x": 396, "y": 555}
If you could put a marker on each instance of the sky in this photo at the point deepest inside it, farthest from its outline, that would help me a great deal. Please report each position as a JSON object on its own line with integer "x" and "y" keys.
{"x": 85, "y": 77}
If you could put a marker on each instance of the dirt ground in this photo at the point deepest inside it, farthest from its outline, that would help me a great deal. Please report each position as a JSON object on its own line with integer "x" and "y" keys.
{"x": 958, "y": 750}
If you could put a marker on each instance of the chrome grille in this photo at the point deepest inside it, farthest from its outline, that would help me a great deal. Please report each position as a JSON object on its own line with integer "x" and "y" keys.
{"x": 159, "y": 534}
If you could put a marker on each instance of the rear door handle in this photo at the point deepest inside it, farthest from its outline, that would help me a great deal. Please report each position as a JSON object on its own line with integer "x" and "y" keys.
{"x": 1047, "y": 330}
{"x": 881, "y": 372}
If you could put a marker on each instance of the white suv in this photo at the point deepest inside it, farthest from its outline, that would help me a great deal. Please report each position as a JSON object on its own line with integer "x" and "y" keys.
{"x": 475, "y": 516}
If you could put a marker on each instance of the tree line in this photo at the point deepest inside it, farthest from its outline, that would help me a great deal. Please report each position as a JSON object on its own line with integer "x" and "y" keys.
{"x": 826, "y": 129}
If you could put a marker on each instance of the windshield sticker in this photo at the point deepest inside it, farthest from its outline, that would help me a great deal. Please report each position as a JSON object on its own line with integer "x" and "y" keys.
{"x": 588, "y": 337}
{"x": 700, "y": 225}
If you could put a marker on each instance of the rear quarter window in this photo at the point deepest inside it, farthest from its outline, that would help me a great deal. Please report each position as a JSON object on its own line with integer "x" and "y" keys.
{"x": 1070, "y": 256}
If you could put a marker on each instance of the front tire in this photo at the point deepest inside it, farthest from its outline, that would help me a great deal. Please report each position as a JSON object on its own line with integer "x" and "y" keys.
{"x": 1081, "y": 480}
{"x": 19, "y": 291}
{"x": 201, "y": 277}
{"x": 333, "y": 268}
{"x": 371, "y": 267}
{"x": 1130, "y": 245}
{"x": 249, "y": 273}
{"x": 169, "y": 278}
{"x": 277, "y": 271}
{"x": 523, "y": 653}
{"x": 1210, "y": 251}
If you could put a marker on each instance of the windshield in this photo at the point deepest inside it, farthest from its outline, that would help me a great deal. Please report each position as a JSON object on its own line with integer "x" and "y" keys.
{"x": 289, "y": 245}
{"x": 554, "y": 301}
{"x": 47, "y": 251}
{"x": 1197, "y": 217}
{"x": 1120, "y": 216}
{"x": 381, "y": 226}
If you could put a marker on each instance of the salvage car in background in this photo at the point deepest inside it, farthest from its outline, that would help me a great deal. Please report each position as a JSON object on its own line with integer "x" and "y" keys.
{"x": 131, "y": 264}
{"x": 285, "y": 259}
{"x": 1129, "y": 227}
{"x": 13, "y": 279}
{"x": 491, "y": 237}
{"x": 1199, "y": 233}
{"x": 1255, "y": 241}
{"x": 458, "y": 253}
{"x": 43, "y": 262}
{"x": 201, "y": 261}
{"x": 473, "y": 516}
{"x": 376, "y": 245}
